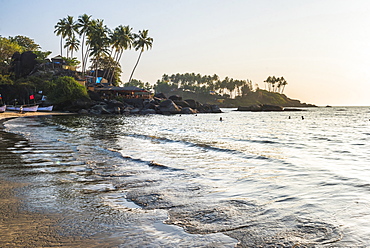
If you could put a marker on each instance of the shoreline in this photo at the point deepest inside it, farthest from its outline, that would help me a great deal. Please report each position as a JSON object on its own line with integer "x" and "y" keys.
{"x": 12, "y": 114}
{"x": 21, "y": 228}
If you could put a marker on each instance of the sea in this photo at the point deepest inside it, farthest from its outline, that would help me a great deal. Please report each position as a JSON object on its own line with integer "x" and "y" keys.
{"x": 233, "y": 179}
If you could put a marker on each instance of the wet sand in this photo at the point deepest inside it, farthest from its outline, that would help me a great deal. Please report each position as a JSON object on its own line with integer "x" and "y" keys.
{"x": 20, "y": 228}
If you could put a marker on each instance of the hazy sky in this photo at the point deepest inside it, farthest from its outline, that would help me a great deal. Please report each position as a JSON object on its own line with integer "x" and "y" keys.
{"x": 321, "y": 47}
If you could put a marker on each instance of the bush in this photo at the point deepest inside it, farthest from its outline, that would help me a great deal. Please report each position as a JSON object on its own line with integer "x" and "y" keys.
{"x": 67, "y": 90}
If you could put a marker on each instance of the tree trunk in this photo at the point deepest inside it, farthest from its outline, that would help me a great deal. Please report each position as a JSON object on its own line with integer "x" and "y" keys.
{"x": 137, "y": 62}
{"x": 82, "y": 56}
{"x": 61, "y": 46}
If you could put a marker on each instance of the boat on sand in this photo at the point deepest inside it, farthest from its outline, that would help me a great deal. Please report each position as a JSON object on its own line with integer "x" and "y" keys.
{"x": 46, "y": 108}
{"x": 25, "y": 108}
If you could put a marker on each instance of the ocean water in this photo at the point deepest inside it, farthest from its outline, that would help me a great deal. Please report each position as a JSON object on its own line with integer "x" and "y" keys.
{"x": 254, "y": 179}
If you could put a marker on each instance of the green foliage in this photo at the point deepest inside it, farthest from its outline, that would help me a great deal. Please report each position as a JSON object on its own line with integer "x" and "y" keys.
{"x": 276, "y": 84}
{"x": 37, "y": 83}
{"x": 66, "y": 90}
{"x": 71, "y": 61}
{"x": 5, "y": 80}
{"x": 7, "y": 49}
{"x": 41, "y": 56}
{"x": 26, "y": 43}
{"x": 206, "y": 84}
{"x": 140, "y": 84}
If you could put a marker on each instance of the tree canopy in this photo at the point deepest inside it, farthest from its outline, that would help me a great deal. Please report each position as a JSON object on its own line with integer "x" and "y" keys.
{"x": 207, "y": 84}
{"x": 100, "y": 42}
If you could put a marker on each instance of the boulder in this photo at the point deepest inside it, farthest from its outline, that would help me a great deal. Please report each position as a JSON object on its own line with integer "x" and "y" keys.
{"x": 181, "y": 103}
{"x": 175, "y": 98}
{"x": 135, "y": 111}
{"x": 148, "y": 112}
{"x": 115, "y": 103}
{"x": 192, "y": 103}
{"x": 160, "y": 96}
{"x": 215, "y": 109}
{"x": 187, "y": 110}
{"x": 83, "y": 111}
{"x": 261, "y": 107}
{"x": 168, "y": 107}
{"x": 100, "y": 109}
{"x": 266, "y": 107}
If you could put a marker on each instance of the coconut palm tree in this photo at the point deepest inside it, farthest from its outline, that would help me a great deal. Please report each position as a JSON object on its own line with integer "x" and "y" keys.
{"x": 83, "y": 25}
{"x": 72, "y": 44}
{"x": 283, "y": 83}
{"x": 98, "y": 40}
{"x": 66, "y": 27}
{"x": 141, "y": 42}
{"x": 60, "y": 30}
{"x": 121, "y": 39}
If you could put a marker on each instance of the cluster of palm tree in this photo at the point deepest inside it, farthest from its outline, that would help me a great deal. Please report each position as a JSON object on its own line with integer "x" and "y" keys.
{"x": 204, "y": 84}
{"x": 276, "y": 84}
{"x": 99, "y": 43}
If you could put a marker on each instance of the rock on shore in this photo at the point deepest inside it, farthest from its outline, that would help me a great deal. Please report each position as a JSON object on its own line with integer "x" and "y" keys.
{"x": 265, "y": 108}
{"x": 160, "y": 104}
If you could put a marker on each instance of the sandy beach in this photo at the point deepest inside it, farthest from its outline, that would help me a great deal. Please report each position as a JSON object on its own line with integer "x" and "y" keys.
{"x": 12, "y": 114}
{"x": 20, "y": 228}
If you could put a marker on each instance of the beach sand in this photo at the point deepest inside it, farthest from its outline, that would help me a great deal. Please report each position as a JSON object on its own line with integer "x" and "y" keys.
{"x": 20, "y": 228}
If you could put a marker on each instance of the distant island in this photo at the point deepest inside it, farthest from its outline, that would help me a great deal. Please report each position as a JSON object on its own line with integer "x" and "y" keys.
{"x": 28, "y": 76}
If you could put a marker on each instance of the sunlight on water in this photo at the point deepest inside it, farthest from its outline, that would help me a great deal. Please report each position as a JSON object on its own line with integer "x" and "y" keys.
{"x": 263, "y": 179}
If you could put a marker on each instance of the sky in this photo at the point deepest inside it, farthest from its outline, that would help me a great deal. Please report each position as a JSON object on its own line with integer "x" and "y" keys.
{"x": 321, "y": 47}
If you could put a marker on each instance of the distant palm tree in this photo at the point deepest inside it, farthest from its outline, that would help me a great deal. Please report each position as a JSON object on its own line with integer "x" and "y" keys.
{"x": 283, "y": 83}
{"x": 83, "y": 25}
{"x": 141, "y": 42}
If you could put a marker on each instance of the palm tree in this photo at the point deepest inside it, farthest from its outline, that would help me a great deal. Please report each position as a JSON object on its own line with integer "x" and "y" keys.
{"x": 141, "y": 42}
{"x": 72, "y": 44}
{"x": 83, "y": 24}
{"x": 66, "y": 27}
{"x": 283, "y": 83}
{"x": 60, "y": 30}
{"x": 98, "y": 40}
{"x": 121, "y": 39}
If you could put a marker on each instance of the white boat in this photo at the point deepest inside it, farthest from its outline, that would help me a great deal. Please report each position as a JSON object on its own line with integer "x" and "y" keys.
{"x": 47, "y": 108}
{"x": 25, "y": 108}
{"x": 2, "y": 108}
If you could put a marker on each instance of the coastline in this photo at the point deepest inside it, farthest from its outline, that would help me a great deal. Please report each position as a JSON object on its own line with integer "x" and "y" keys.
{"x": 21, "y": 228}
{"x": 12, "y": 114}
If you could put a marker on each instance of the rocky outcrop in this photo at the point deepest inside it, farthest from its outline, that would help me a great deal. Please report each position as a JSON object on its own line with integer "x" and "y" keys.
{"x": 261, "y": 107}
{"x": 160, "y": 104}
{"x": 168, "y": 107}
{"x": 266, "y": 108}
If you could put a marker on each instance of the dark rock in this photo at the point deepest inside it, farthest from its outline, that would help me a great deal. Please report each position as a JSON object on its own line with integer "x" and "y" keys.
{"x": 135, "y": 111}
{"x": 23, "y": 64}
{"x": 150, "y": 105}
{"x": 192, "y": 103}
{"x": 215, "y": 109}
{"x": 83, "y": 111}
{"x": 160, "y": 96}
{"x": 187, "y": 110}
{"x": 261, "y": 107}
{"x": 181, "y": 103}
{"x": 115, "y": 103}
{"x": 175, "y": 98}
{"x": 148, "y": 111}
{"x": 266, "y": 107}
{"x": 168, "y": 107}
